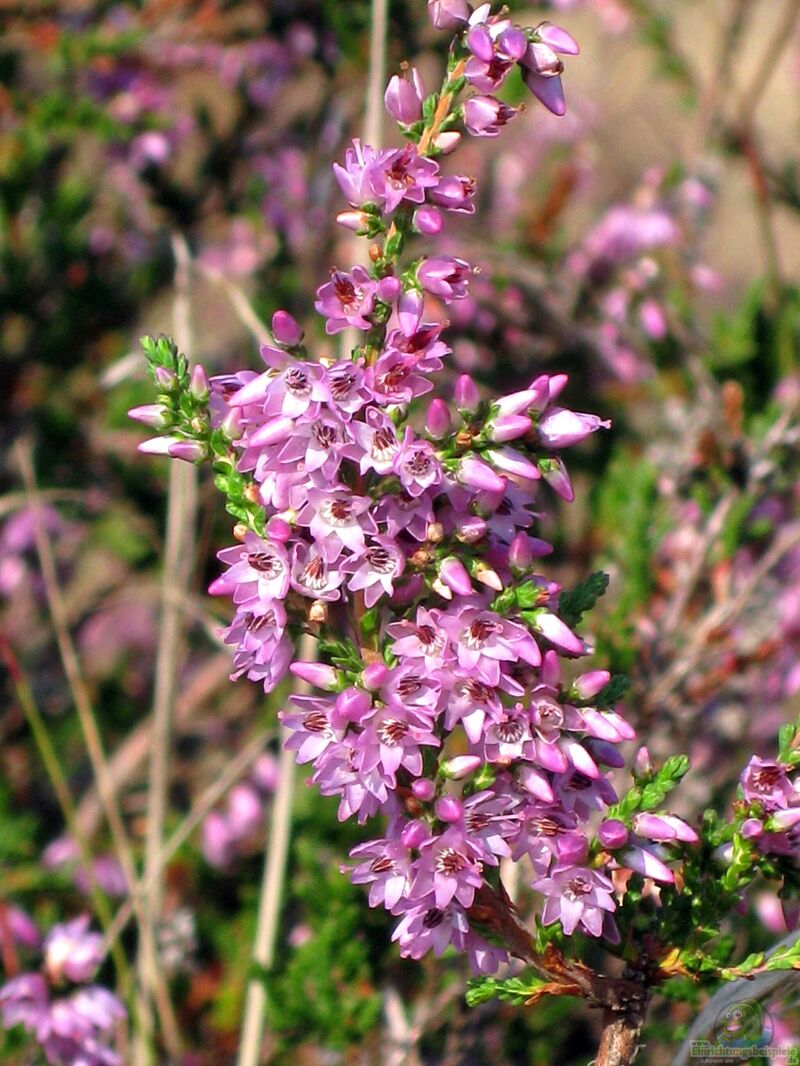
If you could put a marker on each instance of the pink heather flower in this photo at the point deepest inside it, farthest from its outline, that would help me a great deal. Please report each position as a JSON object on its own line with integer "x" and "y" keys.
{"x": 258, "y": 569}
{"x": 445, "y": 277}
{"x": 384, "y": 866}
{"x": 766, "y": 782}
{"x": 401, "y": 174}
{"x": 612, "y": 833}
{"x": 403, "y": 97}
{"x": 416, "y": 465}
{"x": 376, "y": 570}
{"x": 576, "y": 896}
{"x": 72, "y": 952}
{"x": 455, "y": 193}
{"x": 541, "y": 67}
{"x": 337, "y": 520}
{"x": 484, "y": 116}
{"x": 346, "y": 300}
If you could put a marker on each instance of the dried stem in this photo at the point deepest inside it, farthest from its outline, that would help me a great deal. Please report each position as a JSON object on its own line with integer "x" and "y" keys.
{"x": 178, "y": 561}
{"x": 94, "y": 745}
{"x": 207, "y": 800}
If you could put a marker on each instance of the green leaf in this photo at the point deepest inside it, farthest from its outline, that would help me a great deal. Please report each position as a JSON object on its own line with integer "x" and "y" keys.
{"x": 572, "y": 605}
{"x": 512, "y": 990}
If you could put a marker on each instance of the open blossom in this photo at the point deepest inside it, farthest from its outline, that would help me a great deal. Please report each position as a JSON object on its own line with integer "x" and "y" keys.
{"x": 73, "y": 1025}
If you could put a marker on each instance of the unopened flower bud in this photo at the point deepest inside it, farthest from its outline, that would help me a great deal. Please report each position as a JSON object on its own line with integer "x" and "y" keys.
{"x": 403, "y": 98}
{"x": 509, "y": 427}
{"x": 353, "y": 704}
{"x": 642, "y": 764}
{"x": 388, "y": 289}
{"x": 612, "y": 833}
{"x": 286, "y": 330}
{"x": 198, "y": 384}
{"x": 455, "y": 576}
{"x": 471, "y": 529}
{"x": 318, "y": 612}
{"x": 487, "y": 576}
{"x": 438, "y": 423}
{"x": 191, "y": 451}
{"x": 428, "y": 220}
{"x": 423, "y": 789}
{"x": 752, "y": 828}
{"x": 414, "y": 834}
{"x": 447, "y": 141}
{"x": 448, "y": 14}
{"x": 319, "y": 674}
{"x": 375, "y": 676}
{"x": 153, "y": 415}
{"x": 588, "y": 685}
{"x": 572, "y": 848}
{"x": 459, "y": 766}
{"x": 357, "y": 221}
{"x": 479, "y": 475}
{"x": 448, "y": 809}
{"x": 467, "y": 397}
{"x": 279, "y": 529}
{"x": 165, "y": 379}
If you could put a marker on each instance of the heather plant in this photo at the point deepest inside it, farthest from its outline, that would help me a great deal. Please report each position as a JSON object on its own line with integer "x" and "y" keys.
{"x": 448, "y": 701}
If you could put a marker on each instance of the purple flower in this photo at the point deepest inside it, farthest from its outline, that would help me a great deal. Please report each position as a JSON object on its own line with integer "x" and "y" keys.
{"x": 576, "y": 896}
{"x": 445, "y": 277}
{"x": 400, "y": 175}
{"x": 766, "y": 782}
{"x": 376, "y": 570}
{"x": 346, "y": 300}
{"x": 73, "y": 1029}
{"x": 484, "y": 116}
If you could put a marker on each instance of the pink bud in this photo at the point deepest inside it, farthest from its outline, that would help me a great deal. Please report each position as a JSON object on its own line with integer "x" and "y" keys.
{"x": 428, "y": 220}
{"x": 588, "y": 685}
{"x": 448, "y": 809}
{"x": 150, "y": 414}
{"x": 642, "y": 763}
{"x": 353, "y": 704}
{"x": 448, "y": 14}
{"x": 198, "y": 384}
{"x": 471, "y": 529}
{"x": 467, "y": 397}
{"x": 479, "y": 475}
{"x": 276, "y": 431}
{"x": 403, "y": 98}
{"x": 286, "y": 330}
{"x": 555, "y": 474}
{"x": 536, "y": 782}
{"x": 551, "y": 627}
{"x": 645, "y": 863}
{"x": 357, "y": 221}
{"x": 509, "y": 427}
{"x": 510, "y": 461}
{"x": 447, "y": 142}
{"x": 278, "y": 528}
{"x": 423, "y": 789}
{"x": 459, "y": 766}
{"x": 437, "y": 421}
{"x": 388, "y": 289}
{"x": 191, "y": 451}
{"x": 752, "y": 828}
{"x": 455, "y": 576}
{"x": 520, "y": 556}
{"x": 319, "y": 674}
{"x": 557, "y": 38}
{"x": 612, "y": 833}
{"x": 414, "y": 834}
{"x": 375, "y": 676}
{"x": 787, "y": 819}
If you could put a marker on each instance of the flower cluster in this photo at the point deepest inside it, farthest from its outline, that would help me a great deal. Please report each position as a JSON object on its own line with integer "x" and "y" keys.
{"x": 410, "y": 552}
{"x": 72, "y": 1020}
{"x": 770, "y": 787}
